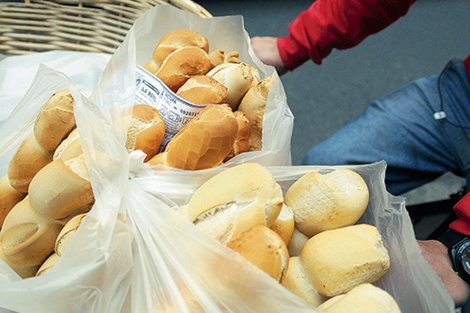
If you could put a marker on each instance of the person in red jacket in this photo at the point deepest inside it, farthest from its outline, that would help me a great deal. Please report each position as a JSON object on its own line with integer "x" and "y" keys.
{"x": 421, "y": 130}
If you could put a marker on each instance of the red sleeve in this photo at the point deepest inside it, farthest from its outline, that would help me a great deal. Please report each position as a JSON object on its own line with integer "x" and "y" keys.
{"x": 340, "y": 24}
{"x": 462, "y": 209}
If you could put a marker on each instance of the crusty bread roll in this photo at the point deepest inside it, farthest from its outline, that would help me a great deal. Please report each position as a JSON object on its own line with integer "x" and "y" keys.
{"x": 61, "y": 189}
{"x": 27, "y": 161}
{"x": 242, "y": 141}
{"x": 253, "y": 104}
{"x": 146, "y": 130}
{"x": 176, "y": 39}
{"x": 27, "y": 237}
{"x": 55, "y": 121}
{"x": 217, "y": 57}
{"x": 203, "y": 89}
{"x": 235, "y": 200}
{"x": 9, "y": 198}
{"x": 297, "y": 282}
{"x": 322, "y": 201}
{"x": 365, "y": 298}
{"x": 297, "y": 242}
{"x": 237, "y": 77}
{"x": 181, "y": 64}
{"x": 263, "y": 248}
{"x": 284, "y": 225}
{"x": 48, "y": 264}
{"x": 23, "y": 270}
{"x": 203, "y": 142}
{"x": 70, "y": 147}
{"x": 66, "y": 234}
{"x": 338, "y": 260}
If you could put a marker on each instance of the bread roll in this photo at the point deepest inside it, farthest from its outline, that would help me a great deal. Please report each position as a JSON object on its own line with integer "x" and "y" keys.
{"x": 217, "y": 57}
{"x": 67, "y": 233}
{"x": 235, "y": 200}
{"x": 242, "y": 141}
{"x": 23, "y": 270}
{"x": 322, "y": 201}
{"x": 181, "y": 64}
{"x": 203, "y": 89}
{"x": 237, "y": 77}
{"x": 146, "y": 130}
{"x": 297, "y": 242}
{"x": 48, "y": 264}
{"x": 70, "y": 147}
{"x": 284, "y": 225}
{"x": 203, "y": 142}
{"x": 263, "y": 248}
{"x": 27, "y": 237}
{"x": 9, "y": 197}
{"x": 27, "y": 161}
{"x": 55, "y": 121}
{"x": 176, "y": 39}
{"x": 61, "y": 189}
{"x": 253, "y": 105}
{"x": 338, "y": 260}
{"x": 299, "y": 284}
{"x": 365, "y": 298}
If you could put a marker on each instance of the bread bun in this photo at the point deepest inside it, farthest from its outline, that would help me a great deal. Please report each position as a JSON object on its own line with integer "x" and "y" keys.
{"x": 284, "y": 225}
{"x": 237, "y": 77}
{"x": 203, "y": 89}
{"x": 253, "y": 105}
{"x": 55, "y": 121}
{"x": 235, "y": 200}
{"x": 322, "y": 201}
{"x": 299, "y": 284}
{"x": 67, "y": 233}
{"x": 27, "y": 161}
{"x": 217, "y": 57}
{"x": 203, "y": 142}
{"x": 23, "y": 270}
{"x": 365, "y": 298}
{"x": 9, "y": 197}
{"x": 48, "y": 264}
{"x": 146, "y": 130}
{"x": 27, "y": 238}
{"x": 297, "y": 242}
{"x": 181, "y": 64}
{"x": 242, "y": 142}
{"x": 338, "y": 260}
{"x": 70, "y": 147}
{"x": 263, "y": 248}
{"x": 61, "y": 189}
{"x": 176, "y": 39}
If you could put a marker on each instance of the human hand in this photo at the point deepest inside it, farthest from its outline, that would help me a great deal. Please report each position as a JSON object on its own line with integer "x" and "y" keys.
{"x": 437, "y": 256}
{"x": 266, "y": 50}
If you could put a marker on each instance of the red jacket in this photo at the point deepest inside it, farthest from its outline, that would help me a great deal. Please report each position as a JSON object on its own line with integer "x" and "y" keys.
{"x": 342, "y": 24}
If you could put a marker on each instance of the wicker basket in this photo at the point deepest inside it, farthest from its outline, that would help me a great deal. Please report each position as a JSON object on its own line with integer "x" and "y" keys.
{"x": 82, "y": 25}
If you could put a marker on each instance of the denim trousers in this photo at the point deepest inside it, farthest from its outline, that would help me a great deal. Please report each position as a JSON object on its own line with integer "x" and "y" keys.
{"x": 421, "y": 130}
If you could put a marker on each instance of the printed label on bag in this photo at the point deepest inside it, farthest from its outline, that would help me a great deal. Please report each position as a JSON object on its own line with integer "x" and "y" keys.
{"x": 175, "y": 110}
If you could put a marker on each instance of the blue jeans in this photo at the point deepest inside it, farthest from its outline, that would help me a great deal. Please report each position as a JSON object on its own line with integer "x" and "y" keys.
{"x": 401, "y": 128}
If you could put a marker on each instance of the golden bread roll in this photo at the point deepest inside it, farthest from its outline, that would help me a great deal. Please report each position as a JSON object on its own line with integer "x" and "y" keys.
{"x": 67, "y": 233}
{"x": 70, "y": 147}
{"x": 55, "y": 121}
{"x": 176, "y": 39}
{"x": 299, "y": 284}
{"x": 235, "y": 200}
{"x": 297, "y": 242}
{"x": 284, "y": 225}
{"x": 253, "y": 105}
{"x": 28, "y": 238}
{"x": 322, "y": 201}
{"x": 181, "y": 64}
{"x": 232, "y": 57}
{"x": 338, "y": 260}
{"x": 242, "y": 142}
{"x": 61, "y": 189}
{"x": 27, "y": 161}
{"x": 365, "y": 298}
{"x": 23, "y": 270}
{"x": 9, "y": 197}
{"x": 146, "y": 130}
{"x": 48, "y": 264}
{"x": 202, "y": 89}
{"x": 263, "y": 248}
{"x": 217, "y": 57}
{"x": 237, "y": 77}
{"x": 203, "y": 142}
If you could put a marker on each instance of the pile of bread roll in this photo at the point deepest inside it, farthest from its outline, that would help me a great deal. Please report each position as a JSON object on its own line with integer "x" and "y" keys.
{"x": 48, "y": 184}
{"x": 245, "y": 209}
{"x": 233, "y": 92}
